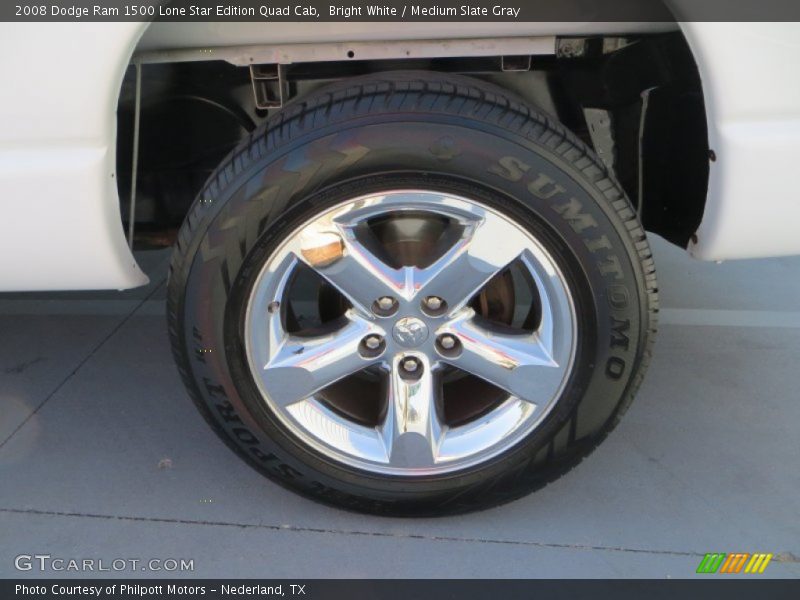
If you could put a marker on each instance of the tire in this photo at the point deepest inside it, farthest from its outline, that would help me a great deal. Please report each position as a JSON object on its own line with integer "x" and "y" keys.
{"x": 447, "y": 136}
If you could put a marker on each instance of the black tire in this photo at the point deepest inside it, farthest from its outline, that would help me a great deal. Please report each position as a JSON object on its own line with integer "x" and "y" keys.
{"x": 449, "y": 132}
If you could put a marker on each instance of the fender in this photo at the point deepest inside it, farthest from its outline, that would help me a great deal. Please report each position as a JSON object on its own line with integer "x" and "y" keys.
{"x": 752, "y": 98}
{"x": 58, "y": 156}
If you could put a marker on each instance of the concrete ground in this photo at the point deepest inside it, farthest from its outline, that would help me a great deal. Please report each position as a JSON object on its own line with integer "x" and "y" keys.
{"x": 102, "y": 454}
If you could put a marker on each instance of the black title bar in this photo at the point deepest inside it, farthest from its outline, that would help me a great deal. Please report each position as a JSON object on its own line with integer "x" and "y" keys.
{"x": 399, "y": 11}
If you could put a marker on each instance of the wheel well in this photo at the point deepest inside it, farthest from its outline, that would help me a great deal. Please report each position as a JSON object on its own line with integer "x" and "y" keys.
{"x": 637, "y": 100}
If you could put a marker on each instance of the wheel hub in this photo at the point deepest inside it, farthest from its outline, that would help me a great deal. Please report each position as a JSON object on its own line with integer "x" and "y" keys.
{"x": 410, "y": 332}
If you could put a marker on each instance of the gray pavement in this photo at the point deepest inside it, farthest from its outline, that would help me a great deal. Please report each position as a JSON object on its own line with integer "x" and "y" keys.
{"x": 102, "y": 454}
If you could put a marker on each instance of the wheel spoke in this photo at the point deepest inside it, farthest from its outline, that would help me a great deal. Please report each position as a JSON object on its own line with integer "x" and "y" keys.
{"x": 412, "y": 429}
{"x": 521, "y": 364}
{"x": 335, "y": 253}
{"x": 301, "y": 366}
{"x": 485, "y": 248}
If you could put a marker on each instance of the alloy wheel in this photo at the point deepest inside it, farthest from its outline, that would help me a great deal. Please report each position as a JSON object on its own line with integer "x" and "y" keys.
{"x": 448, "y": 324}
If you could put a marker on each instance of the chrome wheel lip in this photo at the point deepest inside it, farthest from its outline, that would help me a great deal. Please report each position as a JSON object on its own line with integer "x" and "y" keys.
{"x": 355, "y": 445}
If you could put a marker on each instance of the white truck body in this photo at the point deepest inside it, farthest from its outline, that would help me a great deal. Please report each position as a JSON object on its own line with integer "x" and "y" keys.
{"x": 61, "y": 225}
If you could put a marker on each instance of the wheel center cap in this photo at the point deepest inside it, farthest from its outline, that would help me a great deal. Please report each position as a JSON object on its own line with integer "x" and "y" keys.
{"x": 410, "y": 332}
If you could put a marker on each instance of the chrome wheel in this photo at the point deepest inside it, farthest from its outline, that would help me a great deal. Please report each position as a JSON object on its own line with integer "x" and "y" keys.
{"x": 410, "y": 333}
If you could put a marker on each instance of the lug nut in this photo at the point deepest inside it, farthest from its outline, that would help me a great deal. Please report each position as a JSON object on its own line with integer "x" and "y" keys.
{"x": 433, "y": 302}
{"x": 373, "y": 342}
{"x": 448, "y": 345}
{"x": 434, "y": 306}
{"x": 410, "y": 365}
{"x": 371, "y": 346}
{"x": 448, "y": 342}
{"x": 385, "y": 306}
